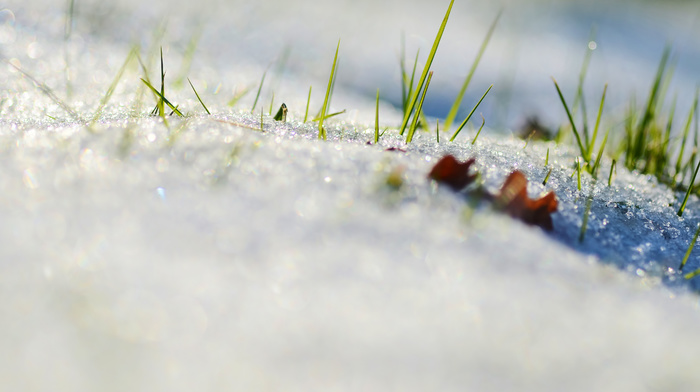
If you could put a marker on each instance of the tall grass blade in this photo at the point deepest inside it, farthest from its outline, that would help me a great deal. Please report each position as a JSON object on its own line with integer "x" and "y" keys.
{"x": 690, "y": 188}
{"x": 257, "y": 95}
{"x": 596, "y": 165}
{"x": 458, "y": 100}
{"x": 321, "y": 131}
{"x": 46, "y": 90}
{"x": 308, "y": 101}
{"x": 686, "y": 131}
{"x": 470, "y": 114}
{"x": 687, "y": 254}
{"x": 426, "y": 69}
{"x": 649, "y": 111}
{"x": 198, "y": 97}
{"x": 376, "y": 120}
{"x": 414, "y": 124}
{"x": 584, "y": 152}
{"x": 113, "y": 86}
{"x": 597, "y": 120}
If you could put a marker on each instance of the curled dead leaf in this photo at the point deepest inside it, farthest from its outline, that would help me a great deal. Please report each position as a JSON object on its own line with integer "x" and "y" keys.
{"x": 514, "y": 201}
{"x": 449, "y": 171}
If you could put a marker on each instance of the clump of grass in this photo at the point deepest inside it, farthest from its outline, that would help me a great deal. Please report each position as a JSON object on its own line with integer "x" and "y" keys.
{"x": 161, "y": 101}
{"x": 413, "y": 97}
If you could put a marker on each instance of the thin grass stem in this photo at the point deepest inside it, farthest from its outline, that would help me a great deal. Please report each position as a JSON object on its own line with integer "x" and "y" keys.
{"x": 470, "y": 114}
{"x": 483, "y": 121}
{"x": 571, "y": 121}
{"x": 322, "y": 131}
{"x": 376, "y": 120}
{"x": 198, "y": 97}
{"x": 257, "y": 95}
{"x": 458, "y": 100}
{"x": 690, "y": 188}
{"x": 687, "y": 254}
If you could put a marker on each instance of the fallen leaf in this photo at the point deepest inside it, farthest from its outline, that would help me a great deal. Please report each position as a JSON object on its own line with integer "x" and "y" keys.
{"x": 514, "y": 201}
{"x": 449, "y": 171}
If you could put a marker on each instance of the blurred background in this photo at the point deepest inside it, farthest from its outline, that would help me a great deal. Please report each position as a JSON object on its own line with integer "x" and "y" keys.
{"x": 296, "y": 39}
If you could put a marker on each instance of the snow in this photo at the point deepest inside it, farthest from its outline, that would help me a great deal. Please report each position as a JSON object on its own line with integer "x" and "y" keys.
{"x": 207, "y": 255}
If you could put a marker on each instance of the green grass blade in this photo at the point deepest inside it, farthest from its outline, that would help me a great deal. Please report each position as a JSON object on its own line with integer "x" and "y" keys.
{"x": 483, "y": 122}
{"x": 546, "y": 178}
{"x": 470, "y": 115}
{"x": 113, "y": 86}
{"x": 257, "y": 95}
{"x": 686, "y": 131}
{"x": 321, "y": 131}
{"x": 586, "y": 213}
{"x": 584, "y": 71}
{"x": 165, "y": 100}
{"x": 426, "y": 69}
{"x": 578, "y": 173}
{"x": 546, "y": 159}
{"x": 571, "y": 121}
{"x": 198, "y": 97}
{"x": 47, "y": 91}
{"x": 411, "y": 89}
{"x": 414, "y": 124}
{"x": 437, "y": 131}
{"x": 237, "y": 96}
{"x": 308, "y": 101}
{"x": 649, "y": 112}
{"x": 272, "y": 103}
{"x": 687, "y": 254}
{"x": 597, "y": 120}
{"x": 596, "y": 165}
{"x": 187, "y": 58}
{"x": 612, "y": 167}
{"x": 458, "y": 100}
{"x": 402, "y": 66}
{"x": 376, "y": 120}
{"x": 690, "y": 188}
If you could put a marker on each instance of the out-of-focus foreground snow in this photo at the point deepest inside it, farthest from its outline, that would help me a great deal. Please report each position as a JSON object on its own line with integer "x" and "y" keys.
{"x": 210, "y": 256}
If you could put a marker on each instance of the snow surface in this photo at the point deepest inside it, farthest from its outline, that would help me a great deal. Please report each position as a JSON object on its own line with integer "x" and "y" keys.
{"x": 207, "y": 255}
